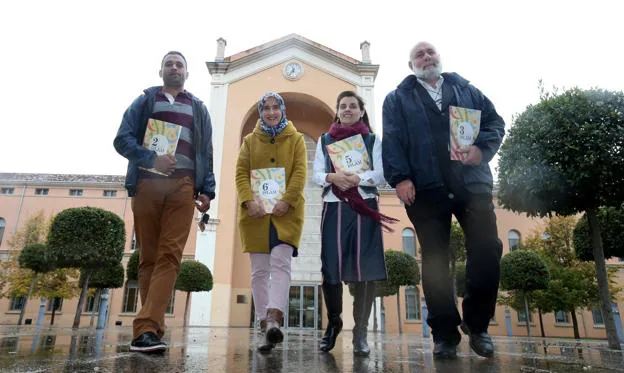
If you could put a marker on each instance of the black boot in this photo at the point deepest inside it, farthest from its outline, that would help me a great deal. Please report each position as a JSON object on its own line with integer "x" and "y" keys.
{"x": 481, "y": 343}
{"x": 333, "y": 301}
{"x": 363, "y": 298}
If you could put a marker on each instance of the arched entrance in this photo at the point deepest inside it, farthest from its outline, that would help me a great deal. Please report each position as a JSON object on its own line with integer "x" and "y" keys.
{"x": 310, "y": 115}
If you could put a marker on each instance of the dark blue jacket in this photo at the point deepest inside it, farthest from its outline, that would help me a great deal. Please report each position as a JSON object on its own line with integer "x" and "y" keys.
{"x": 129, "y": 142}
{"x": 408, "y": 146}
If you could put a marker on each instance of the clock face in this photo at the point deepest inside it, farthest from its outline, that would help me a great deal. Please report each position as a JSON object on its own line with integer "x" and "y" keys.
{"x": 293, "y": 70}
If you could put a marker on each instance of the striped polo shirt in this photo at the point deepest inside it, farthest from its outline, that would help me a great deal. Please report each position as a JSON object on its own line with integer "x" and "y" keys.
{"x": 180, "y": 112}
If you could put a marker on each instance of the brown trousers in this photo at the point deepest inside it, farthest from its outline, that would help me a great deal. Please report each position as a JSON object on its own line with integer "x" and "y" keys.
{"x": 163, "y": 213}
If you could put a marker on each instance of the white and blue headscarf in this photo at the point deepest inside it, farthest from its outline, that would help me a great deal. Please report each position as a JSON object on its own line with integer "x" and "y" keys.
{"x": 273, "y": 131}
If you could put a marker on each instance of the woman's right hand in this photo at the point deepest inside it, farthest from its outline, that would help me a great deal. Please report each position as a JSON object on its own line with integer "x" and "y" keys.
{"x": 341, "y": 179}
{"x": 255, "y": 209}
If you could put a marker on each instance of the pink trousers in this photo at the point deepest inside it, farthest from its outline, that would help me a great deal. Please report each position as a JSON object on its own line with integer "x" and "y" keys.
{"x": 270, "y": 279}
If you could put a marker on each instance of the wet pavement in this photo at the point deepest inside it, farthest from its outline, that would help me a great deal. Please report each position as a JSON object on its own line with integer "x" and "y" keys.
{"x": 27, "y": 349}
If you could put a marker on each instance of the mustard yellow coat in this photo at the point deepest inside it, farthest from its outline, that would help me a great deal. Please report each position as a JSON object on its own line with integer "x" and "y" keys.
{"x": 257, "y": 151}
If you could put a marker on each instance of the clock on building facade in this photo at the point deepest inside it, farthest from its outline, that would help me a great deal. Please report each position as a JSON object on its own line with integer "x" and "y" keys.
{"x": 293, "y": 70}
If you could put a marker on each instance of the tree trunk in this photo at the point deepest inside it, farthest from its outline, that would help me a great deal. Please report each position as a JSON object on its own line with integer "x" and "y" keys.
{"x": 375, "y": 315}
{"x": 398, "y": 296}
{"x": 382, "y": 312}
{"x": 102, "y": 307}
{"x": 539, "y": 312}
{"x": 41, "y": 314}
{"x": 96, "y": 296}
{"x": 53, "y": 310}
{"x": 603, "y": 281}
{"x": 188, "y": 298}
{"x": 454, "y": 277}
{"x": 30, "y": 290}
{"x": 541, "y": 320}
{"x": 81, "y": 300}
{"x": 528, "y": 318}
{"x": 577, "y": 335}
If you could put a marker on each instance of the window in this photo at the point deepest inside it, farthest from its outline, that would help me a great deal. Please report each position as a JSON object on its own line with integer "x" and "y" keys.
{"x": 412, "y": 303}
{"x": 2, "y": 225}
{"x": 110, "y": 193}
{"x": 7, "y": 190}
{"x": 131, "y": 296}
{"x": 17, "y": 303}
{"x": 92, "y": 304}
{"x": 597, "y": 316}
{"x": 522, "y": 316}
{"x": 409, "y": 241}
{"x": 75, "y": 192}
{"x": 133, "y": 244}
{"x": 84, "y": 347}
{"x": 169, "y": 310}
{"x": 514, "y": 239}
{"x": 562, "y": 317}
{"x": 47, "y": 342}
{"x": 41, "y": 191}
{"x": 57, "y": 303}
{"x": 9, "y": 344}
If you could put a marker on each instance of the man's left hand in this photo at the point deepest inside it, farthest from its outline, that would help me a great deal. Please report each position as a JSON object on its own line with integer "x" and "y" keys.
{"x": 280, "y": 208}
{"x": 204, "y": 203}
{"x": 471, "y": 156}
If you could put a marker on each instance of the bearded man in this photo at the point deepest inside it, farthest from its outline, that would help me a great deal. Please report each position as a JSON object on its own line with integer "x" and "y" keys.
{"x": 436, "y": 179}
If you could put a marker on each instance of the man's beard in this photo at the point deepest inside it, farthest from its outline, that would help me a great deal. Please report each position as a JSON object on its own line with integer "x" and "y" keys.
{"x": 429, "y": 74}
{"x": 173, "y": 81}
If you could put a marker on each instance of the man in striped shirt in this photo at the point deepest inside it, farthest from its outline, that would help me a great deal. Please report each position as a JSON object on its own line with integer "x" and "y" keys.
{"x": 163, "y": 201}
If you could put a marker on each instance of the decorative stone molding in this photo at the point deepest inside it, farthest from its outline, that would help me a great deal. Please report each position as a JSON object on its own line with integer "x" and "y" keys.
{"x": 365, "y": 48}
{"x": 221, "y": 43}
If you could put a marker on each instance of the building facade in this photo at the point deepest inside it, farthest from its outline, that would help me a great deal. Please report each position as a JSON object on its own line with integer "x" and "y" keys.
{"x": 309, "y": 76}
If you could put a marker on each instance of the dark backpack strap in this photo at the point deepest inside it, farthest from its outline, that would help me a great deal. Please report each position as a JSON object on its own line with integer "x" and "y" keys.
{"x": 370, "y": 144}
{"x": 326, "y": 139}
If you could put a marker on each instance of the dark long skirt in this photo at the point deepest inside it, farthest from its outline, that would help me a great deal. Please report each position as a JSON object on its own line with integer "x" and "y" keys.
{"x": 351, "y": 245}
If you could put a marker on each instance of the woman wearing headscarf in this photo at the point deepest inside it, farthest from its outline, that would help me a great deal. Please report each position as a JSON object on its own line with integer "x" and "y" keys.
{"x": 273, "y": 155}
{"x": 351, "y": 226}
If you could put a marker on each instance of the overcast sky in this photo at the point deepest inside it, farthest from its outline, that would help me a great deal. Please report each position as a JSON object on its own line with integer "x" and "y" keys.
{"x": 70, "y": 68}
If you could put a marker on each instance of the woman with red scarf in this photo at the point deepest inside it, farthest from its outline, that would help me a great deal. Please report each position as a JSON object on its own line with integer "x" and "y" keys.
{"x": 351, "y": 239}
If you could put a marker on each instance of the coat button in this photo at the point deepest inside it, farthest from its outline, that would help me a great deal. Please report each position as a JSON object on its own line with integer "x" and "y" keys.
{"x": 451, "y": 196}
{"x": 272, "y": 141}
{"x": 272, "y": 160}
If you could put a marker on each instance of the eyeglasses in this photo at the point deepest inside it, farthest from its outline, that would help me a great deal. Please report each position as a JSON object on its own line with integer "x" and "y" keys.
{"x": 205, "y": 218}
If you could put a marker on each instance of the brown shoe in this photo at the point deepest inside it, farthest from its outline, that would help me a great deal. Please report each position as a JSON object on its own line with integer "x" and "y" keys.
{"x": 273, "y": 334}
{"x": 274, "y": 321}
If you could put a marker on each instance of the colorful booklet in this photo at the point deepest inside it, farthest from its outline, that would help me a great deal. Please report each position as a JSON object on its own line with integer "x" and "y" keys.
{"x": 161, "y": 137}
{"x": 349, "y": 155}
{"x": 268, "y": 185}
{"x": 465, "y": 124}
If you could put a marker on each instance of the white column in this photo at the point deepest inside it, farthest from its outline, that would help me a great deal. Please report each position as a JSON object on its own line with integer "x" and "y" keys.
{"x": 218, "y": 105}
{"x": 201, "y": 304}
{"x": 366, "y": 90}
{"x": 205, "y": 244}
